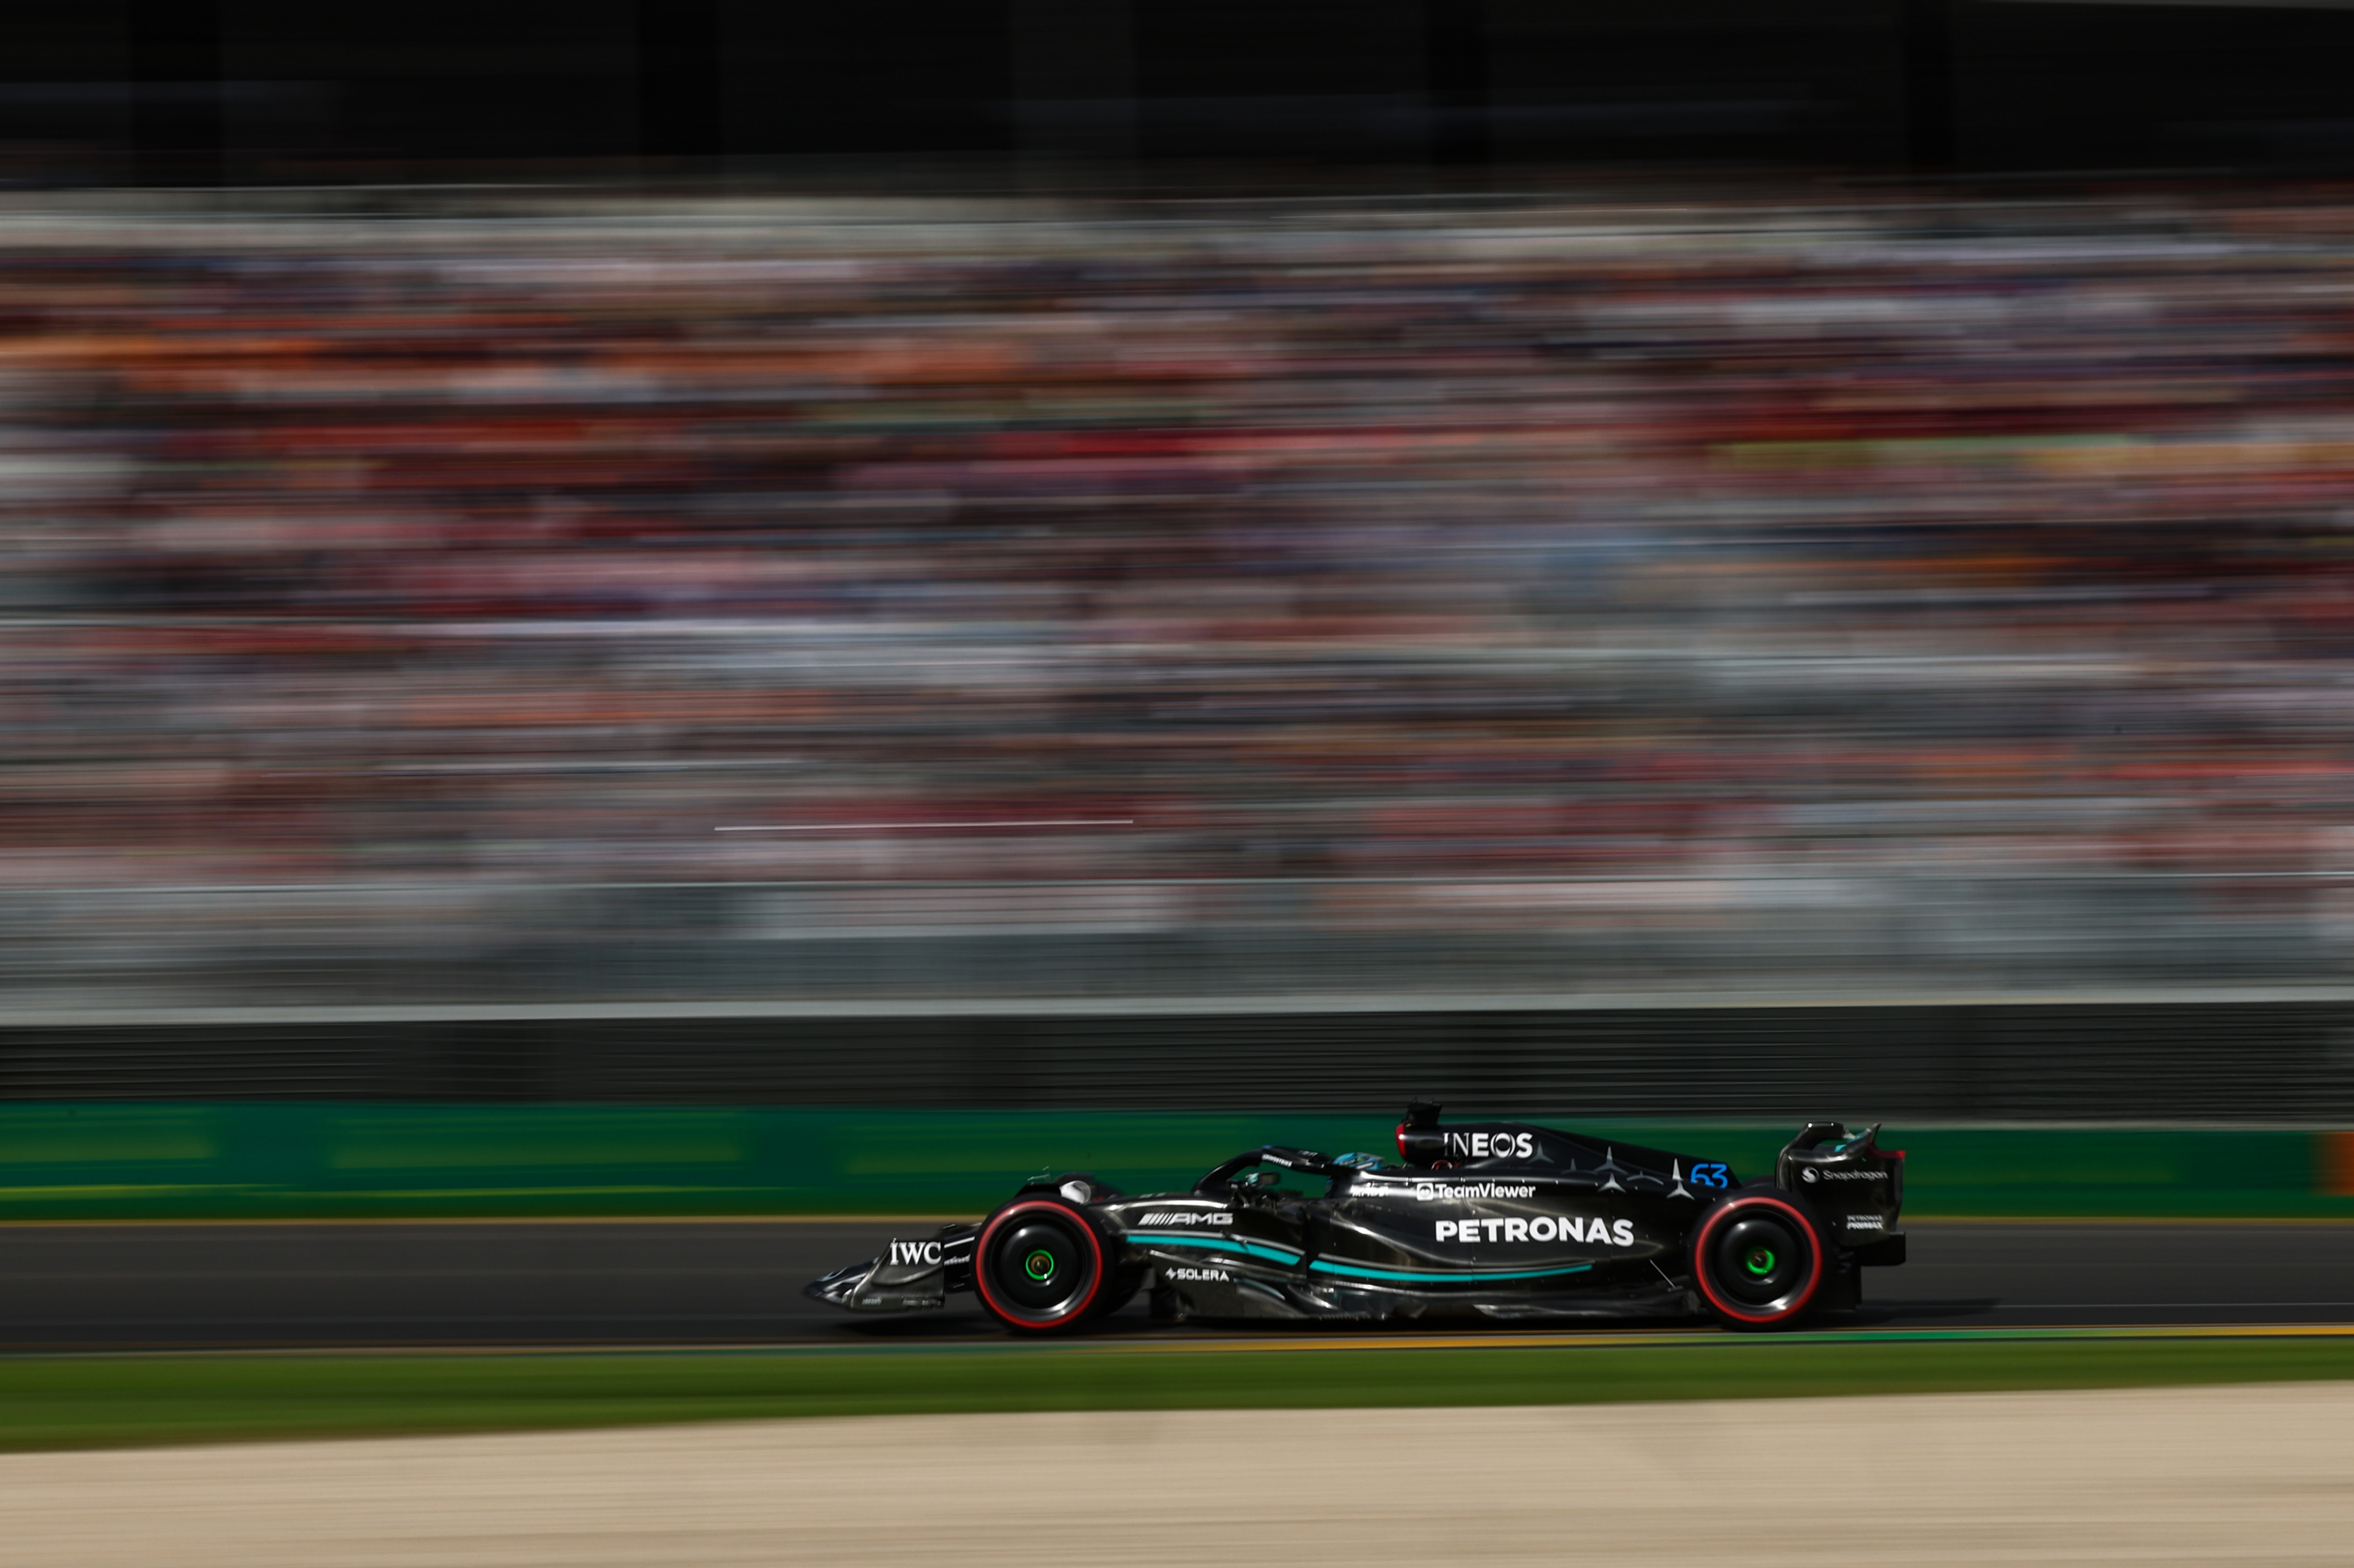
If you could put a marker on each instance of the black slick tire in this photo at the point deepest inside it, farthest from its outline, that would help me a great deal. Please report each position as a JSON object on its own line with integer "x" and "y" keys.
{"x": 1041, "y": 1267}
{"x": 1760, "y": 1260}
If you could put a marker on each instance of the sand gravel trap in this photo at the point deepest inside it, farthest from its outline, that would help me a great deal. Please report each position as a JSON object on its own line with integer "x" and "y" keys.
{"x": 2258, "y": 1475}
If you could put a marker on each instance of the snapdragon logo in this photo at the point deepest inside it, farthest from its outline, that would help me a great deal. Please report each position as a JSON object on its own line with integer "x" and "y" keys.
{"x": 906, "y": 1253}
{"x": 1455, "y": 1192}
{"x": 1543, "y": 1228}
{"x": 1189, "y": 1217}
{"x": 1491, "y": 1145}
{"x": 1811, "y": 1174}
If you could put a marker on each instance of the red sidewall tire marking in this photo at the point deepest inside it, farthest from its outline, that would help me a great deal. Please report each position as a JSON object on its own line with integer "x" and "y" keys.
{"x": 1806, "y": 1228}
{"x": 1004, "y": 1314}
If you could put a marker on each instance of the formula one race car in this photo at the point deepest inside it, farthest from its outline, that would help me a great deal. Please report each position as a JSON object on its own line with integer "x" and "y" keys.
{"x": 1493, "y": 1220}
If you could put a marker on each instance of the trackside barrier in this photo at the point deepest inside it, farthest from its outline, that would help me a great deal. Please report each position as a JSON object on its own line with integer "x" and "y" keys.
{"x": 188, "y": 1161}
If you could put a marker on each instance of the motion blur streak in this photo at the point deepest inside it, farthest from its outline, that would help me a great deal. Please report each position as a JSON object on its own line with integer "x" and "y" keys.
{"x": 2178, "y": 1477}
{"x": 1492, "y": 596}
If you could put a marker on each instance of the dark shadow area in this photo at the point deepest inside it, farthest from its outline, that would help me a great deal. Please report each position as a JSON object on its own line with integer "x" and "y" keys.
{"x": 980, "y": 95}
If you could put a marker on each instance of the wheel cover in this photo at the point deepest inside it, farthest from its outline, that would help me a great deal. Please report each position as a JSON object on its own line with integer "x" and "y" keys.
{"x": 1758, "y": 1261}
{"x": 1039, "y": 1266}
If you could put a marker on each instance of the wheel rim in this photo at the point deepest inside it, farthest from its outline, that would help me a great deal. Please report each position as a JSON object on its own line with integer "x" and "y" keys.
{"x": 1760, "y": 1262}
{"x": 1041, "y": 1269}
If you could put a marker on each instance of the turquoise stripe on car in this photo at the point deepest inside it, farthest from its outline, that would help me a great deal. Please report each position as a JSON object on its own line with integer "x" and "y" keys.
{"x": 1321, "y": 1266}
{"x": 1278, "y": 1253}
{"x": 1274, "y": 1250}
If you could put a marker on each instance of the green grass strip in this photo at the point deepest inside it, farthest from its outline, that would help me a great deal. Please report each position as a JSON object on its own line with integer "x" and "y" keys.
{"x": 78, "y": 1402}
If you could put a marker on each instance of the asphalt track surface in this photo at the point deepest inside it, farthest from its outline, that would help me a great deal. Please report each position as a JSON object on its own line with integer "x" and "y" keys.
{"x": 740, "y": 1282}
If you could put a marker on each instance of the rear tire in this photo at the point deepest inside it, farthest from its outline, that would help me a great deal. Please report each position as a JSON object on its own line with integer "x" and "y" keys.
{"x": 1040, "y": 1266}
{"x": 1759, "y": 1259}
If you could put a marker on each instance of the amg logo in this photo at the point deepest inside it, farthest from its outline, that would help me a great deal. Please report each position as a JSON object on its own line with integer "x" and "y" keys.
{"x": 1543, "y": 1228}
{"x": 1491, "y": 1145}
{"x": 1436, "y": 1192}
{"x": 1189, "y": 1217}
{"x": 1212, "y": 1276}
{"x": 905, "y": 1252}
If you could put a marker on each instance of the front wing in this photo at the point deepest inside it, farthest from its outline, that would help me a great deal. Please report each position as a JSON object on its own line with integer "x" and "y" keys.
{"x": 909, "y": 1276}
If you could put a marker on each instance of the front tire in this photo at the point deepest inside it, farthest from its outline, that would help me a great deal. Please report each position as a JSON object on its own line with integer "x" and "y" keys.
{"x": 1040, "y": 1266}
{"x": 1759, "y": 1259}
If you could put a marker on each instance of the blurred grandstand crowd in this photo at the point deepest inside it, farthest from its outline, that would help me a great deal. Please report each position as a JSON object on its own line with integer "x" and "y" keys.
{"x": 1529, "y": 594}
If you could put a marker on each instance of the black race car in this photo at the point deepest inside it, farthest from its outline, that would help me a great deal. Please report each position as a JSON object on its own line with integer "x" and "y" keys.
{"x": 1492, "y": 1220}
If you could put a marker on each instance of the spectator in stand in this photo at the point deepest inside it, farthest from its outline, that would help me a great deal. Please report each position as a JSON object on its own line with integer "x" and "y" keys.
{"x": 1720, "y": 576}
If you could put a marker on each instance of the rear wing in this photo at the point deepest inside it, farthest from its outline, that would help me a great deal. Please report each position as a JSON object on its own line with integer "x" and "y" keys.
{"x": 1856, "y": 1186}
